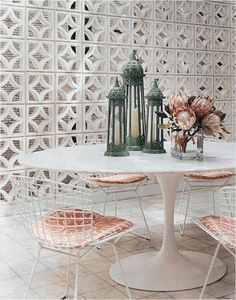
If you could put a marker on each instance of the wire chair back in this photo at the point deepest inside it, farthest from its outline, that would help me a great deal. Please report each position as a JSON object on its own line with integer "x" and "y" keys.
{"x": 56, "y": 214}
{"x": 227, "y": 216}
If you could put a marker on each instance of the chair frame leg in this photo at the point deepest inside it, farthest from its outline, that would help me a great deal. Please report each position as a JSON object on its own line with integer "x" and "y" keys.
{"x": 180, "y": 206}
{"x": 210, "y": 269}
{"x": 76, "y": 279}
{"x": 32, "y": 273}
{"x": 67, "y": 279}
{"x": 121, "y": 269}
{"x": 213, "y": 199}
{"x": 181, "y": 229}
{"x": 148, "y": 237}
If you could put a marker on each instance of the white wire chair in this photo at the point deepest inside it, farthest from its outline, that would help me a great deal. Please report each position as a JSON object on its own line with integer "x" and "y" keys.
{"x": 198, "y": 180}
{"x": 61, "y": 218}
{"x": 221, "y": 227}
{"x": 114, "y": 184}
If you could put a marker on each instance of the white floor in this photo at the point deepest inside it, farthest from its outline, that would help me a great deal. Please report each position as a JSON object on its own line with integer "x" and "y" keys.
{"x": 18, "y": 251}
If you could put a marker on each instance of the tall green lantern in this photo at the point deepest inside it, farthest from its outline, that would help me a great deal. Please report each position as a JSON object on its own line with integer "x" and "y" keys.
{"x": 135, "y": 104}
{"x": 154, "y": 139}
{"x": 116, "y": 133}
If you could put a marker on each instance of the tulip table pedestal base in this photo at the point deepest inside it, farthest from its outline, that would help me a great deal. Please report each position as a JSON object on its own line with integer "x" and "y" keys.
{"x": 169, "y": 269}
{"x": 151, "y": 271}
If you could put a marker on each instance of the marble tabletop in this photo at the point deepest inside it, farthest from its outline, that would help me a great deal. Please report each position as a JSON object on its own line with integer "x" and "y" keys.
{"x": 90, "y": 158}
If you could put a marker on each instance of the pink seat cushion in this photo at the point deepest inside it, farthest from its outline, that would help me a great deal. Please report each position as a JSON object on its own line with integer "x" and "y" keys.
{"x": 209, "y": 175}
{"x": 72, "y": 227}
{"x": 226, "y": 224}
{"x": 118, "y": 179}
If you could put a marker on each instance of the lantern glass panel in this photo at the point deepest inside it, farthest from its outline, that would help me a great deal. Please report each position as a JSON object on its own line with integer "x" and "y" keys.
{"x": 117, "y": 124}
{"x": 135, "y": 111}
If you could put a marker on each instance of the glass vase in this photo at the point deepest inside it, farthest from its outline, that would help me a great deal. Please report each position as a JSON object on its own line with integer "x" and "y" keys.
{"x": 185, "y": 146}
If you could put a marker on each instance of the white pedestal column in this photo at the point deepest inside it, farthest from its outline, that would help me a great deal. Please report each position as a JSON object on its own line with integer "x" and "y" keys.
{"x": 168, "y": 269}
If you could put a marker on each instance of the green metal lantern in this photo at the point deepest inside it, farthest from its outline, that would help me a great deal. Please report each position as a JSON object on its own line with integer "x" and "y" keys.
{"x": 154, "y": 139}
{"x": 135, "y": 104}
{"x": 116, "y": 133}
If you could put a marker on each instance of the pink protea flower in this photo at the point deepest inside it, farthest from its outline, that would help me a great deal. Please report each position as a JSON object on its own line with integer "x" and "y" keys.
{"x": 178, "y": 101}
{"x": 184, "y": 118}
{"x": 202, "y": 106}
{"x": 212, "y": 121}
{"x": 194, "y": 113}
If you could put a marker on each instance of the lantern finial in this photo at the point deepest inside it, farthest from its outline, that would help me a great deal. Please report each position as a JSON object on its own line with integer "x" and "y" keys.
{"x": 116, "y": 82}
{"x": 155, "y": 83}
{"x": 133, "y": 54}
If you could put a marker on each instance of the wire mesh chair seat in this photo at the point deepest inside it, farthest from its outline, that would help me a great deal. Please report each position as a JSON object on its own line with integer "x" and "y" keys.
{"x": 196, "y": 180}
{"x": 61, "y": 225}
{"x": 118, "y": 183}
{"x": 117, "y": 179}
{"x": 211, "y": 175}
{"x": 61, "y": 218}
{"x": 111, "y": 183}
{"x": 221, "y": 227}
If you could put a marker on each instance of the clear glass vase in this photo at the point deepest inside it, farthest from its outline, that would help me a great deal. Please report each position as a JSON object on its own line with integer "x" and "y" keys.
{"x": 186, "y": 146}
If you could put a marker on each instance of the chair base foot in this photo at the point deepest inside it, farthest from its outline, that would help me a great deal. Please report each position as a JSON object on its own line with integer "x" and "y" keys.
{"x": 142, "y": 236}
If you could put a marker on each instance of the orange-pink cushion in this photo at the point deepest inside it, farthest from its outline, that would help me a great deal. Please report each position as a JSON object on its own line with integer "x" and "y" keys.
{"x": 72, "y": 227}
{"x": 209, "y": 175}
{"x": 118, "y": 179}
{"x": 221, "y": 225}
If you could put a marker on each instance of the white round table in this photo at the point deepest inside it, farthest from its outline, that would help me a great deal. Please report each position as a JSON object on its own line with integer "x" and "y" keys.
{"x": 169, "y": 269}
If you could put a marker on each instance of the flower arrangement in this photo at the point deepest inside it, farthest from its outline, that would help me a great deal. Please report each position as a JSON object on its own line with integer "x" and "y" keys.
{"x": 190, "y": 115}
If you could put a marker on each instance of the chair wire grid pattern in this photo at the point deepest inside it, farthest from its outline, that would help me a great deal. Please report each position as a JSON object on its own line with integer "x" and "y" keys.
{"x": 114, "y": 188}
{"x": 61, "y": 218}
{"x": 196, "y": 184}
{"x": 224, "y": 231}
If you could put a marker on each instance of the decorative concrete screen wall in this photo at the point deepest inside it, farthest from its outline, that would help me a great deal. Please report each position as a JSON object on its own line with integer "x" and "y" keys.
{"x": 59, "y": 58}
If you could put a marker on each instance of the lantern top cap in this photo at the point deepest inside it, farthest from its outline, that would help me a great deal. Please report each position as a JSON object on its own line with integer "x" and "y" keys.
{"x": 117, "y": 92}
{"x": 155, "y": 93}
{"x": 133, "y": 68}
